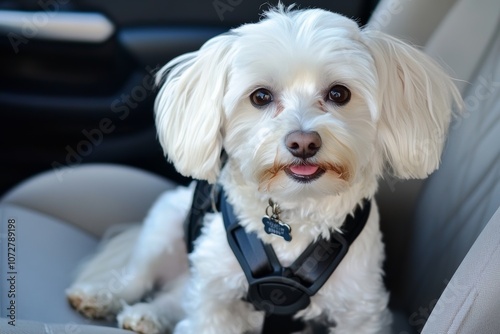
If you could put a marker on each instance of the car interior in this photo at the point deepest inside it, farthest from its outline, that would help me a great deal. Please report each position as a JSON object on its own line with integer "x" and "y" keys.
{"x": 80, "y": 153}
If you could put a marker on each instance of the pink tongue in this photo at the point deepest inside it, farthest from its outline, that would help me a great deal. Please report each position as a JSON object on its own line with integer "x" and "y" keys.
{"x": 303, "y": 170}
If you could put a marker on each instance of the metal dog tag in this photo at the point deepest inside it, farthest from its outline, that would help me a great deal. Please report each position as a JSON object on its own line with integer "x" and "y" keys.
{"x": 273, "y": 225}
{"x": 276, "y": 227}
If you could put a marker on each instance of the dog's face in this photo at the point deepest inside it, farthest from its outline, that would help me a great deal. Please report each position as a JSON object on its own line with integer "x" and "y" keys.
{"x": 304, "y": 102}
{"x": 296, "y": 105}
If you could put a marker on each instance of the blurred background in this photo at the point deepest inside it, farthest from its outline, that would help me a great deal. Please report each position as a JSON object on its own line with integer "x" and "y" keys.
{"x": 80, "y": 89}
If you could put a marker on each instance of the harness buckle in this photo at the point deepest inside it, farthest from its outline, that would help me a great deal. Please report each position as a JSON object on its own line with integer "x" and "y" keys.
{"x": 278, "y": 295}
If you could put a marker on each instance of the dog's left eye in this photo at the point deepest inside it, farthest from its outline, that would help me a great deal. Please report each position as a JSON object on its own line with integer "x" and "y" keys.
{"x": 339, "y": 95}
{"x": 261, "y": 97}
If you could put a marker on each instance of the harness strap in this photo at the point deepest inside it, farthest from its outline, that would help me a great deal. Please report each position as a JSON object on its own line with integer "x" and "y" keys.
{"x": 308, "y": 273}
{"x": 280, "y": 292}
{"x": 315, "y": 265}
{"x": 202, "y": 204}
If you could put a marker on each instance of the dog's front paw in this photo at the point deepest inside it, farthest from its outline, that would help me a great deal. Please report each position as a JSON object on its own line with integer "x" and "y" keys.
{"x": 142, "y": 318}
{"x": 93, "y": 302}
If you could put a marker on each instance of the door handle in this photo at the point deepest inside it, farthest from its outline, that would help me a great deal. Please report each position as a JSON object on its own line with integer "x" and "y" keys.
{"x": 56, "y": 26}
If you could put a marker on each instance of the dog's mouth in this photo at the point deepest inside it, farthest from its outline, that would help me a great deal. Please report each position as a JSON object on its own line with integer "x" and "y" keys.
{"x": 304, "y": 173}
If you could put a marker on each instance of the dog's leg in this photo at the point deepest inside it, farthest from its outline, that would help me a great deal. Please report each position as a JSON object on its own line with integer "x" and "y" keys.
{"x": 222, "y": 317}
{"x": 160, "y": 253}
{"x": 103, "y": 276}
{"x": 364, "y": 315}
{"x": 131, "y": 263}
{"x": 158, "y": 315}
{"x": 213, "y": 298}
{"x": 362, "y": 323}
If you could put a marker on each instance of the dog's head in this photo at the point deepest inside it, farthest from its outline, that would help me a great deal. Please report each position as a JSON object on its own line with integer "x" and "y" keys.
{"x": 304, "y": 101}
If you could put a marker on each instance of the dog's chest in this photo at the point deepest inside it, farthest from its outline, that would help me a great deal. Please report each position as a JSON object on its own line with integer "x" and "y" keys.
{"x": 214, "y": 244}
{"x": 288, "y": 252}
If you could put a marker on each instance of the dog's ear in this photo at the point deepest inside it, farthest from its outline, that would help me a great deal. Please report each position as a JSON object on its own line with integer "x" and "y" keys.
{"x": 189, "y": 111}
{"x": 415, "y": 101}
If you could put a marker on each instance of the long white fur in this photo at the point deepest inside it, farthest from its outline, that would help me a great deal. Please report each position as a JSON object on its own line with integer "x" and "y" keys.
{"x": 397, "y": 119}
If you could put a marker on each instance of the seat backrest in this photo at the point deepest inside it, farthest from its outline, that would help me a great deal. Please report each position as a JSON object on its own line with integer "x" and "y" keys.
{"x": 459, "y": 199}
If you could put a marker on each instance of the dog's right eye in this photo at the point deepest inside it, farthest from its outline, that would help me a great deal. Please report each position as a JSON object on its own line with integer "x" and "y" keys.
{"x": 339, "y": 95}
{"x": 261, "y": 97}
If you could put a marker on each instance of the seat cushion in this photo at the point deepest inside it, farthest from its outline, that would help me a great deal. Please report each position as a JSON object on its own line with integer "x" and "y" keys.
{"x": 47, "y": 252}
{"x": 34, "y": 327}
{"x": 93, "y": 196}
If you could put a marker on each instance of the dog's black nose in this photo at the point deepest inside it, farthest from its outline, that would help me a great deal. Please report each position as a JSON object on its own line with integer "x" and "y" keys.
{"x": 303, "y": 144}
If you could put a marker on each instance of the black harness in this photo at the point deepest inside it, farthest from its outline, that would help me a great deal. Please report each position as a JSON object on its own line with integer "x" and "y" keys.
{"x": 277, "y": 290}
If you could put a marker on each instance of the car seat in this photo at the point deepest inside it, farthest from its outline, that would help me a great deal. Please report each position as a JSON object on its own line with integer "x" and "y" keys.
{"x": 442, "y": 235}
{"x": 59, "y": 217}
{"x": 457, "y": 201}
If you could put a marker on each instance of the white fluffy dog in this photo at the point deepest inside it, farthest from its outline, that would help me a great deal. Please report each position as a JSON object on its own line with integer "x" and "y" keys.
{"x": 310, "y": 110}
